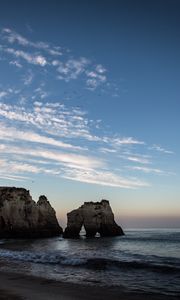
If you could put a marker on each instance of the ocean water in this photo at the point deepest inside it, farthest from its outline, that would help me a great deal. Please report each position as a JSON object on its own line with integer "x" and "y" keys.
{"x": 146, "y": 261}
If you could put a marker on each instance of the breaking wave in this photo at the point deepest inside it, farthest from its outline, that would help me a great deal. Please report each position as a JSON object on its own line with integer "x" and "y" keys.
{"x": 56, "y": 258}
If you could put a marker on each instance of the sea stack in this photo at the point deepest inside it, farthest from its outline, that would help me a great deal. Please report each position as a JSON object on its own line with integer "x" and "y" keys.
{"x": 97, "y": 217}
{"x": 22, "y": 217}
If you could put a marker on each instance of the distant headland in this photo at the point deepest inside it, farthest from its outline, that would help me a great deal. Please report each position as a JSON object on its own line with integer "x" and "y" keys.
{"x": 22, "y": 217}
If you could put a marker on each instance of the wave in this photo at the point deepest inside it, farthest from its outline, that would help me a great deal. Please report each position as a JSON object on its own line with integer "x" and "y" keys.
{"x": 154, "y": 258}
{"x": 95, "y": 263}
{"x": 41, "y": 257}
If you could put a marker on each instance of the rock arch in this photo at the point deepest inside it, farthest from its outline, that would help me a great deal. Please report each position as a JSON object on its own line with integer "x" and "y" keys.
{"x": 97, "y": 217}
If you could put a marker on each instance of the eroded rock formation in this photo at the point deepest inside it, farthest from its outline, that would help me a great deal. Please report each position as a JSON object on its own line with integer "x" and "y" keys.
{"x": 22, "y": 217}
{"x": 97, "y": 217}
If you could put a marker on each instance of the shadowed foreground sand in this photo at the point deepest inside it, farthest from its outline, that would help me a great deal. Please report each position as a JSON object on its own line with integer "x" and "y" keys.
{"x": 17, "y": 287}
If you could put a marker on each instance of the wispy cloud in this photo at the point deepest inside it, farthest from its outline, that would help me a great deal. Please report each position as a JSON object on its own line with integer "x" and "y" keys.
{"x": 61, "y": 157}
{"x": 71, "y": 172}
{"x": 13, "y": 134}
{"x": 128, "y": 141}
{"x": 57, "y": 122}
{"x": 146, "y": 170}
{"x": 57, "y": 119}
{"x": 50, "y": 57}
{"x": 161, "y": 149}
{"x": 71, "y": 69}
{"x": 28, "y": 78}
{"x": 3, "y": 94}
{"x": 103, "y": 178}
{"x": 13, "y": 37}
{"x": 13, "y": 177}
{"x": 15, "y": 63}
{"x": 64, "y": 122}
{"x": 107, "y": 150}
{"x": 11, "y": 170}
{"x": 30, "y": 58}
{"x": 138, "y": 159}
{"x": 52, "y": 118}
{"x": 96, "y": 77}
{"x": 117, "y": 141}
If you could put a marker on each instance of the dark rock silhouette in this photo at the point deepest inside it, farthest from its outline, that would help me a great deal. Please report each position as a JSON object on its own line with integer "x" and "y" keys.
{"x": 21, "y": 217}
{"x": 97, "y": 217}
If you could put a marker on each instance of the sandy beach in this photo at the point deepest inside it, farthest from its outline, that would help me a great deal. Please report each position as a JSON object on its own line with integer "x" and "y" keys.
{"x": 16, "y": 287}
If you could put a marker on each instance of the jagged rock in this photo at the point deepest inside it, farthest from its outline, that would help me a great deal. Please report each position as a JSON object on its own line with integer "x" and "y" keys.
{"x": 21, "y": 217}
{"x": 97, "y": 217}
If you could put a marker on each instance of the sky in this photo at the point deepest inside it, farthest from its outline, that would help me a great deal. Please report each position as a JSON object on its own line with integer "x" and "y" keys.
{"x": 89, "y": 105}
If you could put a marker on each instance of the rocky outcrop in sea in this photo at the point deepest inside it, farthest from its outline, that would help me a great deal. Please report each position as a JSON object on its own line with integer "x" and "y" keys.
{"x": 22, "y": 217}
{"x": 96, "y": 217}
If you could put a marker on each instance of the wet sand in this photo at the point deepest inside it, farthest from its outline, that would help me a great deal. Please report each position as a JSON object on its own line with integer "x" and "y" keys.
{"x": 17, "y": 287}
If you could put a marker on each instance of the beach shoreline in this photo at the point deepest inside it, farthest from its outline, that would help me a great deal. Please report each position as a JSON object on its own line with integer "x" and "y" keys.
{"x": 15, "y": 286}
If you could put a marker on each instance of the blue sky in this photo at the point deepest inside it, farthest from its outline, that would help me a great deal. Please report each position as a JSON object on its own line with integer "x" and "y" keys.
{"x": 89, "y": 105}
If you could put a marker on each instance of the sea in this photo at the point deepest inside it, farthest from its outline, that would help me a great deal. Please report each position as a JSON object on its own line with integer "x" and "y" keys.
{"x": 143, "y": 261}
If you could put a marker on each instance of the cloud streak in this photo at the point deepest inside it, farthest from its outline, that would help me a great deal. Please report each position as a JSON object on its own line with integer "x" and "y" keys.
{"x": 103, "y": 178}
{"x": 146, "y": 170}
{"x": 161, "y": 149}
{"x": 10, "y": 133}
{"x": 13, "y": 37}
{"x": 137, "y": 159}
{"x": 61, "y": 157}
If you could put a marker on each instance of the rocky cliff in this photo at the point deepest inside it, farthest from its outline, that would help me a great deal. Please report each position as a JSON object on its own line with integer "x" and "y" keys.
{"x": 21, "y": 217}
{"x": 97, "y": 217}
